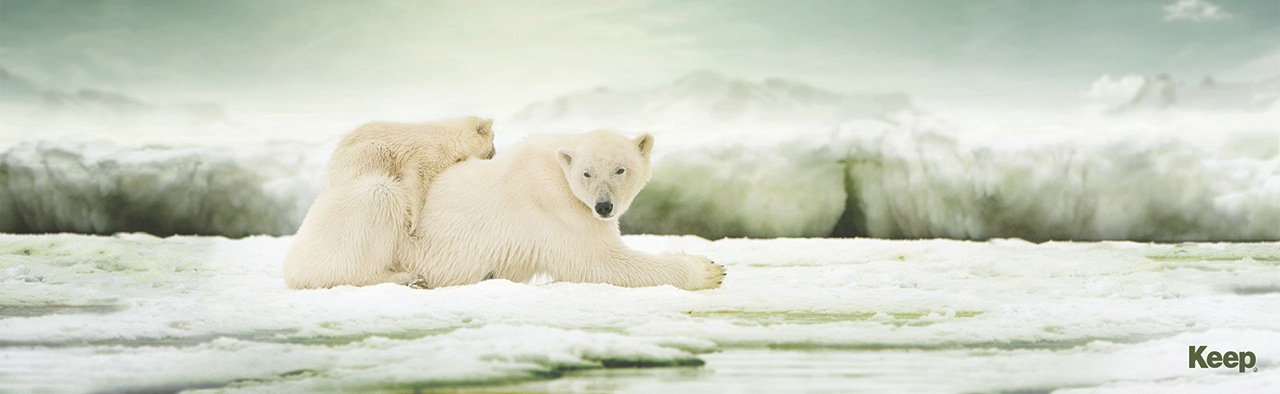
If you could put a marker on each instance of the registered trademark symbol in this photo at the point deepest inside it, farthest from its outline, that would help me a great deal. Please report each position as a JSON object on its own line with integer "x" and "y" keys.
{"x": 1255, "y": 370}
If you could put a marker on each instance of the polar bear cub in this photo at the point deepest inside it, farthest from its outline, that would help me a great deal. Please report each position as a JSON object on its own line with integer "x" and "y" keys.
{"x": 549, "y": 207}
{"x": 377, "y": 180}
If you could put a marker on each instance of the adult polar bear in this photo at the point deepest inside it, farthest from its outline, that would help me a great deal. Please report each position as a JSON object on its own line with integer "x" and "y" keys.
{"x": 550, "y": 206}
{"x": 377, "y": 179}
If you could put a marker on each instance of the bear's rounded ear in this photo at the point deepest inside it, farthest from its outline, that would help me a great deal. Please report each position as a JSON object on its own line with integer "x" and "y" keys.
{"x": 645, "y": 143}
{"x": 565, "y": 157}
{"x": 486, "y": 127}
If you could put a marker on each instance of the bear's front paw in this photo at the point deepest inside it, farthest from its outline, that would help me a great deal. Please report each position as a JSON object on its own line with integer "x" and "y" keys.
{"x": 706, "y": 273}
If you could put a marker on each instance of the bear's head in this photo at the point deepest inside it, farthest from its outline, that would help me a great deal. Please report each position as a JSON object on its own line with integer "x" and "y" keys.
{"x": 606, "y": 170}
{"x": 472, "y": 136}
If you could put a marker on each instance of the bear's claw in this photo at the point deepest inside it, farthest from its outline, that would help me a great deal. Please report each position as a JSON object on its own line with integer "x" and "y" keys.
{"x": 714, "y": 273}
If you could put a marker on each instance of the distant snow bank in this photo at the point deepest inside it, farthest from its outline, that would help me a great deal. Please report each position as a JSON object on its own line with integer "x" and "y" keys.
{"x": 915, "y": 179}
{"x": 101, "y": 188}
{"x": 1149, "y": 159}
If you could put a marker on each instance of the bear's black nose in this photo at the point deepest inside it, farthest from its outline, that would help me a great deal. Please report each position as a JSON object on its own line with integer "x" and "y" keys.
{"x": 604, "y": 208}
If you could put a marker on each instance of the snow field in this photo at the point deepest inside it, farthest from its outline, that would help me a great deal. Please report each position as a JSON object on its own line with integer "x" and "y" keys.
{"x": 82, "y": 313}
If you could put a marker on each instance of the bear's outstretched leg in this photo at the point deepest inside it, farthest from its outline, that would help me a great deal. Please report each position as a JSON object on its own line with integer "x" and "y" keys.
{"x": 630, "y": 268}
{"x": 348, "y": 237}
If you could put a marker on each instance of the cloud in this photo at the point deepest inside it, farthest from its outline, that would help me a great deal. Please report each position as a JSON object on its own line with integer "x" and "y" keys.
{"x": 1194, "y": 10}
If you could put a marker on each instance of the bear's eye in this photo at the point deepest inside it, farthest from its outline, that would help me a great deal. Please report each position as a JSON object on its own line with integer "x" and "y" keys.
{"x": 620, "y": 171}
{"x": 586, "y": 174}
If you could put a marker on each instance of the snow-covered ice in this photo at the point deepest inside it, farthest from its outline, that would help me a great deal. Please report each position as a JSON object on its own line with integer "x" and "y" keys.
{"x": 135, "y": 312}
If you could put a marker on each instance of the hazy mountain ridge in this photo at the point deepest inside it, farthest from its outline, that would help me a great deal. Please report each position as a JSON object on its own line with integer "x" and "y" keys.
{"x": 36, "y": 106}
{"x": 707, "y": 97}
{"x": 1146, "y": 93}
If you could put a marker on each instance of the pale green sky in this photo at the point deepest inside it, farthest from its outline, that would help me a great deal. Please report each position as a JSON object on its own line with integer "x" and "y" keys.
{"x": 511, "y": 52}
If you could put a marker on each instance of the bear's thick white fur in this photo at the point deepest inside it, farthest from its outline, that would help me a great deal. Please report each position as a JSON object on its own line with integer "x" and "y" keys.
{"x": 533, "y": 211}
{"x": 377, "y": 180}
